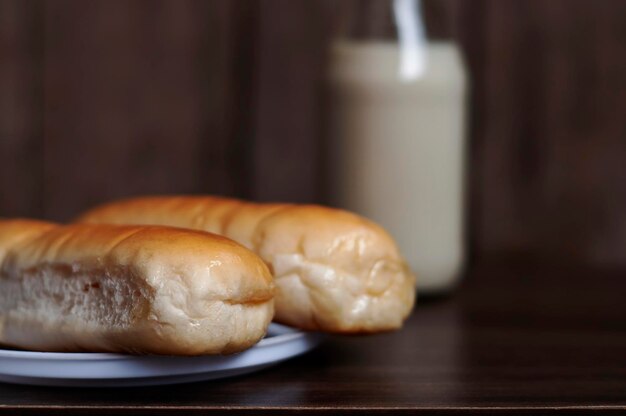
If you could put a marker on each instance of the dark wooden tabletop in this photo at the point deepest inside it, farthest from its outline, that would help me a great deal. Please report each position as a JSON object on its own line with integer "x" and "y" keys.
{"x": 512, "y": 339}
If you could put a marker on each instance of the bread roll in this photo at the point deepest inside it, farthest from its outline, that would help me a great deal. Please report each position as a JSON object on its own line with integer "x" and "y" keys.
{"x": 136, "y": 289}
{"x": 334, "y": 271}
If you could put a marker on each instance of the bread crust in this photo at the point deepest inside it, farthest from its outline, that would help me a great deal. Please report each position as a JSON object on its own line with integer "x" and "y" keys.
{"x": 137, "y": 289}
{"x": 334, "y": 271}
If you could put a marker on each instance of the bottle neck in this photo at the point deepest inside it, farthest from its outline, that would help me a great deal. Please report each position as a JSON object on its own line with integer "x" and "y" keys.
{"x": 379, "y": 20}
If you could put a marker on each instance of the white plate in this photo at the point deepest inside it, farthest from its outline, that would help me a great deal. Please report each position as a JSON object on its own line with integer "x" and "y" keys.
{"x": 119, "y": 370}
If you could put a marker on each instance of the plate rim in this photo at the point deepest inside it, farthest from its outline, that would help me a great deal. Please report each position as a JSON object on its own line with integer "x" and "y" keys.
{"x": 287, "y": 334}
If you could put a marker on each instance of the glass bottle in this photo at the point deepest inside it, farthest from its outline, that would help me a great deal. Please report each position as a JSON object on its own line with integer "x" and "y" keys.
{"x": 396, "y": 148}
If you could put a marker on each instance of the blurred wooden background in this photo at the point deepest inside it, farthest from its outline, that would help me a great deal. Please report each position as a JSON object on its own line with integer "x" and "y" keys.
{"x": 102, "y": 99}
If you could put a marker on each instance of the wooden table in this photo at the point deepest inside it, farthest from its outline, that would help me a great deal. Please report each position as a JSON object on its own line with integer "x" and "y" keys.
{"x": 513, "y": 339}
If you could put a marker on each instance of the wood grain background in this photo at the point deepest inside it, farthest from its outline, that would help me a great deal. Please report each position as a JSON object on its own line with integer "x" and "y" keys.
{"x": 103, "y": 99}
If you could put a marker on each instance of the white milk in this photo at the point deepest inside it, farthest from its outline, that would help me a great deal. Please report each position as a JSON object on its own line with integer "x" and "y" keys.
{"x": 397, "y": 151}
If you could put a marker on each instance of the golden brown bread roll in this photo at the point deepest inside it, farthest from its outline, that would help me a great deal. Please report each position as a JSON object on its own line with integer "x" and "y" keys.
{"x": 334, "y": 271}
{"x": 148, "y": 290}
